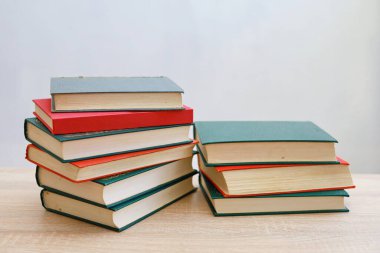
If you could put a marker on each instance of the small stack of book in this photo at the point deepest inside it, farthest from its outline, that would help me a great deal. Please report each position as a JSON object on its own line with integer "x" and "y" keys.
{"x": 111, "y": 151}
{"x": 270, "y": 167}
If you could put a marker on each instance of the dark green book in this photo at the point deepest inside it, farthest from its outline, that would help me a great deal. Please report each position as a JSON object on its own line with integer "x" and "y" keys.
{"x": 110, "y": 191}
{"x": 123, "y": 215}
{"x": 307, "y": 202}
{"x": 261, "y": 142}
{"x": 114, "y": 93}
{"x": 82, "y": 146}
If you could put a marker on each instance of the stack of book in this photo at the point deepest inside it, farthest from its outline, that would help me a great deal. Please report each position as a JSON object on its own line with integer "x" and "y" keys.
{"x": 111, "y": 151}
{"x": 270, "y": 167}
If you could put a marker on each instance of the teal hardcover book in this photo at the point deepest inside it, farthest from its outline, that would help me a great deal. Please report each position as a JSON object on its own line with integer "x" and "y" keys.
{"x": 111, "y": 191}
{"x": 261, "y": 142}
{"x": 62, "y": 85}
{"x": 306, "y": 202}
{"x": 114, "y": 93}
{"x": 123, "y": 215}
{"x": 81, "y": 146}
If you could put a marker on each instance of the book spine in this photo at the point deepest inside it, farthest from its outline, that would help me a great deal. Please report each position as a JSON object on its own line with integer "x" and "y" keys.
{"x": 37, "y": 176}
{"x": 124, "y": 121}
{"x": 42, "y": 198}
{"x": 25, "y": 131}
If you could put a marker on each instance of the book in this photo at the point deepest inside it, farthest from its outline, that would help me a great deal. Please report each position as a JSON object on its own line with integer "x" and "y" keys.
{"x": 80, "y": 122}
{"x": 260, "y": 142}
{"x": 113, "y": 190}
{"x": 81, "y": 146}
{"x": 308, "y": 202}
{"x": 114, "y": 93}
{"x": 90, "y": 169}
{"x": 123, "y": 215}
{"x": 254, "y": 180}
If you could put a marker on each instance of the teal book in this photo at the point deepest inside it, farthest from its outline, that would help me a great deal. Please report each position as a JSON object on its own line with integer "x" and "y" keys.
{"x": 123, "y": 215}
{"x": 114, "y": 93}
{"x": 111, "y": 191}
{"x": 307, "y": 202}
{"x": 81, "y": 146}
{"x": 263, "y": 142}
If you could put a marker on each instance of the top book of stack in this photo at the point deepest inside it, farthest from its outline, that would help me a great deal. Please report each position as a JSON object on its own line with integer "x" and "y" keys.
{"x": 224, "y": 143}
{"x": 73, "y": 94}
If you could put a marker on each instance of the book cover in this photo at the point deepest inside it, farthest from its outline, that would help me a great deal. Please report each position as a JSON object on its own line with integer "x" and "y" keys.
{"x": 123, "y": 205}
{"x": 211, "y": 132}
{"x": 215, "y": 194}
{"x": 78, "y": 122}
{"x": 113, "y": 179}
{"x": 79, "y": 136}
{"x": 64, "y": 85}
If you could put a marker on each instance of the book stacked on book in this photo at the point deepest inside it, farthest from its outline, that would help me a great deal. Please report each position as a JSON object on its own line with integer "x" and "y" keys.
{"x": 111, "y": 151}
{"x": 270, "y": 167}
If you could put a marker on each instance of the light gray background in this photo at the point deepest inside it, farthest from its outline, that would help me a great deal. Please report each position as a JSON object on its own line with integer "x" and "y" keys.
{"x": 236, "y": 60}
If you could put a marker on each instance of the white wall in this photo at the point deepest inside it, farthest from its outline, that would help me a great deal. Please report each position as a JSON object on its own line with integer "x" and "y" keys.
{"x": 252, "y": 60}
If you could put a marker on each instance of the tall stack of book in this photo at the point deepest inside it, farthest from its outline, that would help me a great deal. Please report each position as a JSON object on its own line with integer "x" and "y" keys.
{"x": 270, "y": 167}
{"x": 111, "y": 151}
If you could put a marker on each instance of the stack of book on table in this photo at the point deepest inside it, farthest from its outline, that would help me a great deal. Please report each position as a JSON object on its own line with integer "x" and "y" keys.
{"x": 111, "y": 151}
{"x": 270, "y": 167}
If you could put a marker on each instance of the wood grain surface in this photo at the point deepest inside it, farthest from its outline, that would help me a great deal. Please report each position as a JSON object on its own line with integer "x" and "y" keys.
{"x": 188, "y": 226}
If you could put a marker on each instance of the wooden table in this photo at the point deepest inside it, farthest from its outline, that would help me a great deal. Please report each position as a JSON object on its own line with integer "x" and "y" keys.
{"x": 188, "y": 226}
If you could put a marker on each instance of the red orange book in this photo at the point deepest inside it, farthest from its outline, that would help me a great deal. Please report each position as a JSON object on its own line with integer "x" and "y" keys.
{"x": 76, "y": 122}
{"x": 269, "y": 179}
{"x": 90, "y": 169}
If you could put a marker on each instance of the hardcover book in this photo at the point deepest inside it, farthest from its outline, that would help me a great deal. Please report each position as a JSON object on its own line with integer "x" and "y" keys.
{"x": 86, "y": 170}
{"x": 255, "y": 180}
{"x": 260, "y": 142}
{"x": 114, "y": 93}
{"x": 308, "y": 202}
{"x": 82, "y": 146}
{"x": 123, "y": 215}
{"x": 79, "y": 122}
{"x": 112, "y": 190}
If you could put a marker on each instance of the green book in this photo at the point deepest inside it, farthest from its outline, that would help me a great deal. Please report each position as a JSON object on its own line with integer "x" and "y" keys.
{"x": 111, "y": 191}
{"x": 261, "y": 142}
{"x": 81, "y": 146}
{"x": 307, "y": 202}
{"x": 123, "y": 215}
{"x": 114, "y": 93}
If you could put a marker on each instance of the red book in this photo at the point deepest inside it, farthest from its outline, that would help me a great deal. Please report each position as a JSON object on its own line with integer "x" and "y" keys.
{"x": 270, "y": 179}
{"x": 76, "y": 122}
{"x": 94, "y": 168}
